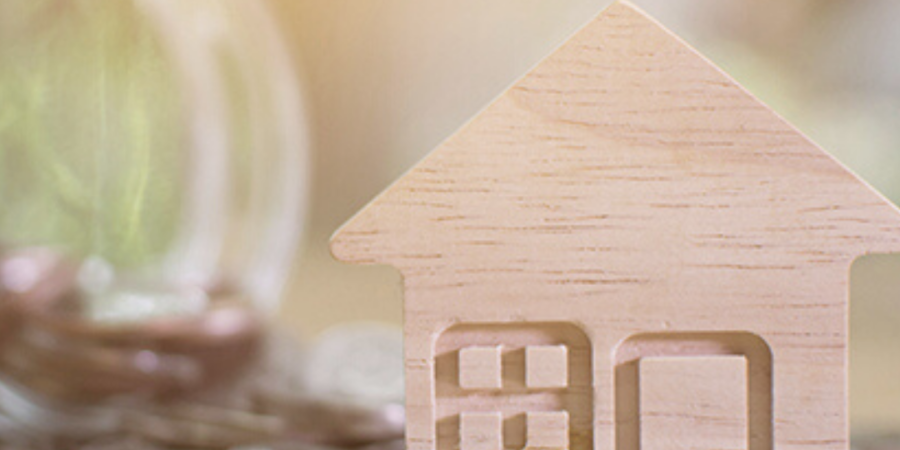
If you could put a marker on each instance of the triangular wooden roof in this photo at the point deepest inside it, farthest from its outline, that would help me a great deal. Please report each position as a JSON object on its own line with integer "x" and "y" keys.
{"x": 625, "y": 136}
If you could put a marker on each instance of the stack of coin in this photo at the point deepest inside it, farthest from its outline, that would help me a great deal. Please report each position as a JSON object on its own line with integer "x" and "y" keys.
{"x": 126, "y": 375}
{"x": 270, "y": 408}
{"x": 55, "y": 350}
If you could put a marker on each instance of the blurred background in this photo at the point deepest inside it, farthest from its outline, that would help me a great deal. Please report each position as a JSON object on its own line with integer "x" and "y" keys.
{"x": 383, "y": 82}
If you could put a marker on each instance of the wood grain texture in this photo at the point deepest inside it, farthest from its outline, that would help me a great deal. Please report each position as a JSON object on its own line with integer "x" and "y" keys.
{"x": 625, "y": 187}
{"x": 546, "y": 366}
{"x": 694, "y": 403}
{"x": 547, "y": 430}
{"x": 515, "y": 398}
{"x": 481, "y": 431}
{"x": 480, "y": 368}
{"x": 705, "y": 347}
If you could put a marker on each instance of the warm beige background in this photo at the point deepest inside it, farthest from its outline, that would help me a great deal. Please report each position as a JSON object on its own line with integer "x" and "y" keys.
{"x": 388, "y": 80}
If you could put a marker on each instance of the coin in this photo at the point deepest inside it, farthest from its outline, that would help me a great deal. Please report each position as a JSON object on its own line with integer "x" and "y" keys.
{"x": 285, "y": 445}
{"x": 90, "y": 372}
{"x": 28, "y": 270}
{"x": 361, "y": 361}
{"x": 397, "y": 444}
{"x": 187, "y": 425}
{"x": 62, "y": 353}
{"x": 125, "y": 442}
{"x": 133, "y": 304}
{"x": 41, "y": 418}
{"x": 277, "y": 387}
{"x": 334, "y": 420}
{"x": 12, "y": 433}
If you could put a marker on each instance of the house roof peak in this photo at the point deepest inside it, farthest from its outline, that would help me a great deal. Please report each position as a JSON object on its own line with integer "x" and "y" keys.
{"x": 625, "y": 133}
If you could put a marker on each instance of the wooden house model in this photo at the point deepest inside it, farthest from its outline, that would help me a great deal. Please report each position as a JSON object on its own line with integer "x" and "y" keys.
{"x": 626, "y": 250}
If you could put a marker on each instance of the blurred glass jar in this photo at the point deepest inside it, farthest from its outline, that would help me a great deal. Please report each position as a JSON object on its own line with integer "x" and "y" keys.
{"x": 159, "y": 140}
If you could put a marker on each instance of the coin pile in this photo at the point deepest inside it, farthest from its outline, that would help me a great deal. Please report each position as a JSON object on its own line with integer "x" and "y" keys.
{"x": 91, "y": 362}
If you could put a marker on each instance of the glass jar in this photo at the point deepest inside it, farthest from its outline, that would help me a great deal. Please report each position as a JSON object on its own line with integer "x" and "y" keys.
{"x": 153, "y": 183}
{"x": 160, "y": 141}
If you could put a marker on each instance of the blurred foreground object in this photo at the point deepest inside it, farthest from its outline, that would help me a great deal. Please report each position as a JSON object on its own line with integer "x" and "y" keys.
{"x": 153, "y": 171}
{"x": 362, "y": 361}
{"x": 164, "y": 138}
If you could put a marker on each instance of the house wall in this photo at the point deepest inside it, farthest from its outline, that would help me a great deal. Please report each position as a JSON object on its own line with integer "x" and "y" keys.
{"x": 791, "y": 325}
